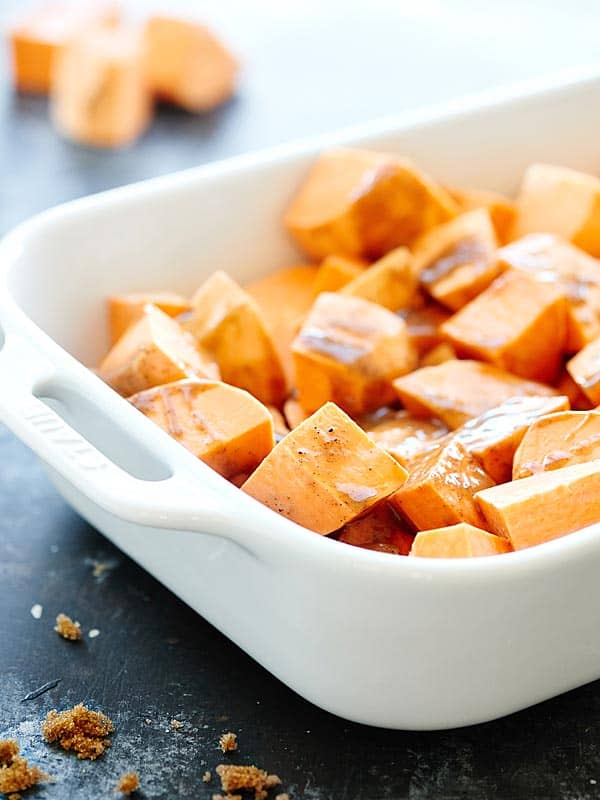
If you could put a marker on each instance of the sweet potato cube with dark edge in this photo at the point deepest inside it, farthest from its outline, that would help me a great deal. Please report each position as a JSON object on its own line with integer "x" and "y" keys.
{"x": 501, "y": 210}
{"x": 401, "y": 435}
{"x": 363, "y": 204}
{"x": 222, "y": 425}
{"x": 389, "y": 282}
{"x": 457, "y": 391}
{"x": 545, "y": 506}
{"x": 423, "y": 325}
{"x": 325, "y": 473}
{"x": 456, "y": 261}
{"x": 458, "y": 541}
{"x": 517, "y": 324}
{"x": 567, "y": 386}
{"x": 336, "y": 272}
{"x": 584, "y": 368}
{"x": 381, "y": 530}
{"x": 228, "y": 323}
{"x": 348, "y": 351}
{"x": 125, "y": 309}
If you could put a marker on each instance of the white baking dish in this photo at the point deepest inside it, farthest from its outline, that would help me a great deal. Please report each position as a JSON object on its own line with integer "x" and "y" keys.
{"x": 394, "y": 642}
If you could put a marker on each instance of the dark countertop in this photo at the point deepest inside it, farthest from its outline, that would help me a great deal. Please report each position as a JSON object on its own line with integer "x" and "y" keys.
{"x": 154, "y": 658}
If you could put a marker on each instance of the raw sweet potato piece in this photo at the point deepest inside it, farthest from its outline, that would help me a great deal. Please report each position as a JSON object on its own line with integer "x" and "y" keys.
{"x": 362, "y": 203}
{"x": 516, "y": 324}
{"x": 424, "y": 325}
{"x": 441, "y": 487}
{"x": 558, "y": 440}
{"x": 335, "y": 272}
{"x": 224, "y": 426}
{"x": 99, "y": 95}
{"x": 280, "y": 426}
{"x": 125, "y": 309}
{"x": 544, "y": 506}
{"x": 389, "y": 282}
{"x": 294, "y": 413}
{"x": 380, "y": 529}
{"x": 584, "y": 368}
{"x": 39, "y": 37}
{"x": 349, "y": 350}
{"x": 403, "y": 436}
{"x": 228, "y": 323}
{"x": 560, "y": 200}
{"x": 325, "y": 473}
{"x": 153, "y": 351}
{"x": 458, "y": 541}
{"x": 551, "y": 259}
{"x": 186, "y": 64}
{"x": 567, "y": 386}
{"x": 502, "y": 211}
{"x": 494, "y": 437}
{"x": 456, "y": 261}
{"x": 457, "y": 391}
{"x": 438, "y": 355}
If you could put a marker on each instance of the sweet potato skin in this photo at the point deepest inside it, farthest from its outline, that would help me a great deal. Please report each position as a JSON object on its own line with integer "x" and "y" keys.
{"x": 458, "y": 541}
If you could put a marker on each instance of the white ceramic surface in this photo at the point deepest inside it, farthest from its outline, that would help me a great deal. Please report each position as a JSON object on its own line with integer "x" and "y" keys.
{"x": 401, "y": 643}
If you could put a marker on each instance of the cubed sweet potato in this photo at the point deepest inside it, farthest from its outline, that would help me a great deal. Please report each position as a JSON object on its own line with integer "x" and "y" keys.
{"x": 362, "y": 203}
{"x": 349, "y": 350}
{"x": 390, "y": 282}
{"x": 423, "y": 325}
{"x": 280, "y": 426}
{"x": 502, "y": 210}
{"x": 438, "y": 355}
{"x": 567, "y": 386}
{"x": 337, "y": 271}
{"x": 584, "y": 368}
{"x": 517, "y": 324}
{"x": 458, "y": 541}
{"x": 325, "y": 473}
{"x": 544, "y": 506}
{"x": 222, "y": 425}
{"x": 403, "y": 436}
{"x": 125, "y": 309}
{"x": 294, "y": 413}
{"x": 380, "y": 529}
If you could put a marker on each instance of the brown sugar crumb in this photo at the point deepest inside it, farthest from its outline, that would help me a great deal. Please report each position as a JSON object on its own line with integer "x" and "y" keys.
{"x": 79, "y": 729}
{"x": 67, "y": 628}
{"x": 228, "y": 742}
{"x": 227, "y": 797}
{"x": 272, "y": 781}
{"x": 284, "y": 796}
{"x": 128, "y": 783}
{"x": 176, "y": 724}
{"x": 9, "y": 748}
{"x": 15, "y": 773}
{"x": 234, "y": 777}
{"x": 207, "y": 777}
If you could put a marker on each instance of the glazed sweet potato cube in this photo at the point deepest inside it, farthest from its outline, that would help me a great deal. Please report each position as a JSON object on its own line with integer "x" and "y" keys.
{"x": 494, "y": 437}
{"x": 186, "y": 64}
{"x": 457, "y": 261}
{"x": 228, "y": 323}
{"x": 566, "y": 385}
{"x": 560, "y": 200}
{"x": 363, "y": 204}
{"x": 584, "y": 368}
{"x": 294, "y": 413}
{"x": 380, "y": 529}
{"x": 337, "y": 271}
{"x": 545, "y": 506}
{"x": 325, "y": 473}
{"x": 423, "y": 324}
{"x": 517, "y": 324}
{"x": 125, "y": 309}
{"x": 99, "y": 94}
{"x": 223, "y": 426}
{"x": 389, "y": 282}
{"x": 457, "y": 391}
{"x": 551, "y": 259}
{"x": 401, "y": 435}
{"x": 438, "y": 355}
{"x": 441, "y": 487}
{"x": 458, "y": 541}
{"x": 349, "y": 350}
{"x": 502, "y": 211}
{"x": 558, "y": 440}
{"x": 153, "y": 351}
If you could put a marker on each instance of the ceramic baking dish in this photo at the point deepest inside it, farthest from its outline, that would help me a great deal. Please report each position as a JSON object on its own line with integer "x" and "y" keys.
{"x": 389, "y": 641}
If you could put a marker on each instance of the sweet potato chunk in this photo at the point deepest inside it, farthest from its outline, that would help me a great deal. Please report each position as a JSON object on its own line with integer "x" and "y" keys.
{"x": 153, "y": 351}
{"x": 458, "y": 541}
{"x": 335, "y": 272}
{"x": 544, "y": 506}
{"x": 125, "y": 309}
{"x": 228, "y": 323}
{"x": 501, "y": 210}
{"x": 223, "y": 426}
{"x": 280, "y": 426}
{"x": 551, "y": 259}
{"x": 389, "y": 282}
{"x": 439, "y": 354}
{"x": 584, "y": 368}
{"x": 441, "y": 487}
{"x": 361, "y": 203}
{"x": 558, "y": 440}
{"x": 294, "y": 413}
{"x": 349, "y": 350}
{"x": 325, "y": 473}
{"x": 186, "y": 64}
{"x": 457, "y": 391}
{"x": 380, "y": 529}
{"x": 403, "y": 436}
{"x": 424, "y": 325}
{"x": 566, "y": 385}
{"x": 516, "y": 324}
{"x": 456, "y": 261}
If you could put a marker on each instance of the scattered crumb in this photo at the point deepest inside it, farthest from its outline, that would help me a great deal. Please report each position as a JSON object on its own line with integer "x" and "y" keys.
{"x": 93, "y": 633}
{"x": 593, "y": 782}
{"x": 36, "y": 611}
{"x": 207, "y": 777}
{"x": 128, "y": 783}
{"x": 15, "y": 773}
{"x": 249, "y": 778}
{"x": 176, "y": 724}
{"x": 99, "y": 568}
{"x": 284, "y": 796}
{"x": 228, "y": 742}
{"x": 148, "y": 721}
{"x": 272, "y": 781}
{"x": 227, "y": 797}
{"x": 172, "y": 640}
{"x": 68, "y": 629}
{"x": 79, "y": 729}
{"x": 9, "y": 748}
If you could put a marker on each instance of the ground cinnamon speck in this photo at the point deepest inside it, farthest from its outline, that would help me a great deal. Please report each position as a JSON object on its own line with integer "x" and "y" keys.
{"x": 234, "y": 777}
{"x": 228, "y": 742}
{"x": 15, "y": 773}
{"x": 67, "y": 628}
{"x": 79, "y": 729}
{"x": 128, "y": 783}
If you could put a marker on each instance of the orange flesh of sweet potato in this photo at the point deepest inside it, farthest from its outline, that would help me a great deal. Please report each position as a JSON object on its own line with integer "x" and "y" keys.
{"x": 224, "y": 426}
{"x": 501, "y": 210}
{"x": 325, "y": 473}
{"x": 348, "y": 351}
{"x": 389, "y": 282}
{"x": 544, "y": 506}
{"x": 380, "y": 529}
{"x": 294, "y": 413}
{"x": 457, "y": 391}
{"x": 441, "y": 487}
{"x": 584, "y": 368}
{"x": 423, "y": 325}
{"x": 125, "y": 309}
{"x": 335, "y": 272}
{"x": 567, "y": 386}
{"x": 558, "y": 440}
{"x": 401, "y": 435}
{"x": 516, "y": 324}
{"x": 458, "y": 541}
{"x": 153, "y": 351}
{"x": 438, "y": 355}
{"x": 280, "y": 426}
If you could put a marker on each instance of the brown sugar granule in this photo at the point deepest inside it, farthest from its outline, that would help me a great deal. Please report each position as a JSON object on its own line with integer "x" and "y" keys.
{"x": 207, "y": 777}
{"x": 9, "y": 748}
{"x": 79, "y": 729}
{"x": 15, "y": 773}
{"x": 228, "y": 742}
{"x": 128, "y": 783}
{"x": 284, "y": 796}
{"x": 176, "y": 724}
{"x": 67, "y": 628}
{"x": 235, "y": 777}
{"x": 272, "y": 781}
